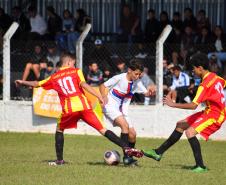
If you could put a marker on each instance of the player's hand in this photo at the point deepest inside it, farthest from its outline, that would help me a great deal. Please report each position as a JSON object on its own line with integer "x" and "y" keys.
{"x": 101, "y": 100}
{"x": 18, "y": 82}
{"x": 152, "y": 90}
{"x": 167, "y": 100}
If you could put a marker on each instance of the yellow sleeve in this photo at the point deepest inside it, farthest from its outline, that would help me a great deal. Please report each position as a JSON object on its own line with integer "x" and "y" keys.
{"x": 81, "y": 76}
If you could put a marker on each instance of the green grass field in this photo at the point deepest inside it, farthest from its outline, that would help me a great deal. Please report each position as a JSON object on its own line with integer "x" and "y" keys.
{"x": 24, "y": 161}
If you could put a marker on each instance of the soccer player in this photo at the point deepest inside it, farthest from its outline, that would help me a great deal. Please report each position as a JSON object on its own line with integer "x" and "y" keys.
{"x": 69, "y": 83}
{"x": 205, "y": 122}
{"x": 117, "y": 99}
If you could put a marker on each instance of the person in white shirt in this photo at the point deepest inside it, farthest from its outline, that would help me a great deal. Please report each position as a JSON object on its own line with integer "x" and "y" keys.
{"x": 120, "y": 92}
{"x": 38, "y": 24}
{"x": 180, "y": 81}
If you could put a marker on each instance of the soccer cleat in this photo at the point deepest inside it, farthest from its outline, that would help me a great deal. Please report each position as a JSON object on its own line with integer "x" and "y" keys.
{"x": 199, "y": 169}
{"x": 56, "y": 163}
{"x": 152, "y": 154}
{"x": 133, "y": 152}
{"x": 129, "y": 161}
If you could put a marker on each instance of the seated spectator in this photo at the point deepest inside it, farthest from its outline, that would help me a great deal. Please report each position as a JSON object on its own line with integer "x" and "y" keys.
{"x": 5, "y": 21}
{"x": 54, "y": 24}
{"x": 107, "y": 73}
{"x": 53, "y": 55}
{"x": 35, "y": 63}
{"x": 121, "y": 66}
{"x": 163, "y": 20}
{"x": 202, "y": 21}
{"x": 24, "y": 23}
{"x": 187, "y": 43}
{"x": 100, "y": 53}
{"x": 167, "y": 75}
{"x": 149, "y": 84}
{"x": 81, "y": 19}
{"x": 38, "y": 24}
{"x": 180, "y": 84}
{"x": 203, "y": 37}
{"x": 130, "y": 29}
{"x": 219, "y": 48}
{"x": 95, "y": 75}
{"x": 152, "y": 29}
{"x": 177, "y": 21}
{"x": 189, "y": 19}
{"x": 46, "y": 72}
{"x": 70, "y": 35}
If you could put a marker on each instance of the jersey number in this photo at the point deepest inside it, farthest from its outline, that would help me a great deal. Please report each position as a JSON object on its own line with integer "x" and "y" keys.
{"x": 67, "y": 85}
{"x": 219, "y": 88}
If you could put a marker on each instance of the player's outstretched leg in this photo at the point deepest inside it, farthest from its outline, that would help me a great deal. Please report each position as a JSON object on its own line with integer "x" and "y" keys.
{"x": 156, "y": 154}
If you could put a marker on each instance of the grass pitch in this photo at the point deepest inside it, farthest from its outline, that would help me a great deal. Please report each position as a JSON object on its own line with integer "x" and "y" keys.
{"x": 24, "y": 161}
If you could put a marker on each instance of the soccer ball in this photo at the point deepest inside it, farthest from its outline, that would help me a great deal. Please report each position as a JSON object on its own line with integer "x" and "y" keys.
{"x": 112, "y": 157}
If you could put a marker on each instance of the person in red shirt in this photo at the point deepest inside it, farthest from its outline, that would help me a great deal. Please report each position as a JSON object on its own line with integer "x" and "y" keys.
{"x": 205, "y": 122}
{"x": 69, "y": 83}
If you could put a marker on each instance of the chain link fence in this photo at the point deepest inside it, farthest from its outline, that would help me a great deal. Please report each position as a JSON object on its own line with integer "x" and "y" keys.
{"x": 108, "y": 57}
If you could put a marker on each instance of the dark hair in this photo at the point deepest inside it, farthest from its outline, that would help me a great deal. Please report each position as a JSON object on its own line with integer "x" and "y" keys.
{"x": 176, "y": 68}
{"x": 135, "y": 64}
{"x": 49, "y": 64}
{"x": 32, "y": 9}
{"x": 151, "y": 11}
{"x": 202, "y": 11}
{"x": 200, "y": 59}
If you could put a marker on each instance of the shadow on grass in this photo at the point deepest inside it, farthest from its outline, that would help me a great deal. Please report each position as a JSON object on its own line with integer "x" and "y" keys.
{"x": 120, "y": 165}
{"x": 181, "y": 166}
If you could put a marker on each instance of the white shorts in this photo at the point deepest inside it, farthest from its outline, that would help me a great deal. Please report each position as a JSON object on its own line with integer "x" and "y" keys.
{"x": 112, "y": 111}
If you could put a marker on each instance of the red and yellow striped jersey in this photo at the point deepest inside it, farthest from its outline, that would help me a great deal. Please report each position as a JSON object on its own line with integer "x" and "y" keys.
{"x": 66, "y": 82}
{"x": 211, "y": 92}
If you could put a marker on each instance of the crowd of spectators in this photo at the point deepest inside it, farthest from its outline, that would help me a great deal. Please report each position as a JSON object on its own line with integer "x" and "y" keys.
{"x": 190, "y": 34}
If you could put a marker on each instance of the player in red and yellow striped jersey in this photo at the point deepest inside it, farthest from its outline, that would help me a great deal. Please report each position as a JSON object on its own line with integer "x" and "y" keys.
{"x": 205, "y": 122}
{"x": 69, "y": 82}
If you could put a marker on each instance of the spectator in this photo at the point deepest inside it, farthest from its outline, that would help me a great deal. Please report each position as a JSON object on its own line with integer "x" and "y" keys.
{"x": 164, "y": 20}
{"x": 142, "y": 54}
{"x": 81, "y": 19}
{"x": 202, "y": 21}
{"x": 107, "y": 73}
{"x": 71, "y": 36}
{"x": 149, "y": 84}
{"x": 24, "y": 23}
{"x": 167, "y": 75}
{"x": 203, "y": 37}
{"x": 95, "y": 75}
{"x": 38, "y": 24}
{"x": 187, "y": 43}
{"x": 35, "y": 63}
{"x": 46, "y": 72}
{"x": 130, "y": 29}
{"x": 53, "y": 54}
{"x": 219, "y": 49}
{"x": 179, "y": 88}
{"x": 189, "y": 19}
{"x": 100, "y": 53}
{"x": 5, "y": 21}
{"x": 177, "y": 22}
{"x": 121, "y": 66}
{"x": 152, "y": 27}
{"x": 54, "y": 24}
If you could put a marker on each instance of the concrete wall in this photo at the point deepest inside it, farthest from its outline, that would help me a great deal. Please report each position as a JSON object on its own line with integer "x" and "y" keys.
{"x": 149, "y": 121}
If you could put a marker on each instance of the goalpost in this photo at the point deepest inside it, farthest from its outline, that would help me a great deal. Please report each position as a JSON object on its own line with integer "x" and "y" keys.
{"x": 159, "y": 62}
{"x": 79, "y": 48}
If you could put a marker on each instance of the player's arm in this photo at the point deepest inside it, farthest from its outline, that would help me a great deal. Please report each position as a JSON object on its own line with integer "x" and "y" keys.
{"x": 103, "y": 92}
{"x": 88, "y": 88}
{"x": 27, "y": 83}
{"x": 168, "y": 101}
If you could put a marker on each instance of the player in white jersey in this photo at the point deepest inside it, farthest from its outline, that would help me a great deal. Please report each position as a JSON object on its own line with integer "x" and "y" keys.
{"x": 120, "y": 92}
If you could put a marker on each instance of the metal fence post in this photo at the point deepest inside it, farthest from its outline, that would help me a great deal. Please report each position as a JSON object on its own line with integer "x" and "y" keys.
{"x": 159, "y": 62}
{"x": 79, "y": 51}
{"x": 6, "y": 60}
